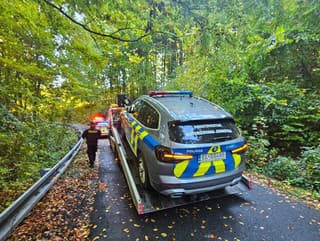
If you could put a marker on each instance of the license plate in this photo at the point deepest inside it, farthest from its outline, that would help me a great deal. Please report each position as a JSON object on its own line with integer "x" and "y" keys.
{"x": 212, "y": 157}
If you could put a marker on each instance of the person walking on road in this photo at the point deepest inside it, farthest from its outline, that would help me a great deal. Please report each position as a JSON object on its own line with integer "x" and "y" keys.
{"x": 91, "y": 135}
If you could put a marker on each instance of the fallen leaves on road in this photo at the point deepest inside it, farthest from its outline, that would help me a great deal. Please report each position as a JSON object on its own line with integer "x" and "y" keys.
{"x": 284, "y": 189}
{"x": 64, "y": 213}
{"x": 164, "y": 235}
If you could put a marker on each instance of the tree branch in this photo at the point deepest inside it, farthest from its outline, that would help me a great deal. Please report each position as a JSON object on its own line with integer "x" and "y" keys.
{"x": 95, "y": 32}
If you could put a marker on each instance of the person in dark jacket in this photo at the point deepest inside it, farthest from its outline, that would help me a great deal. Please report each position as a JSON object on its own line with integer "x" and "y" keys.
{"x": 91, "y": 135}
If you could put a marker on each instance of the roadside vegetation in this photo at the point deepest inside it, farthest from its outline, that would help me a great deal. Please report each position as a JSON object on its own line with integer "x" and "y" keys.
{"x": 25, "y": 148}
{"x": 61, "y": 62}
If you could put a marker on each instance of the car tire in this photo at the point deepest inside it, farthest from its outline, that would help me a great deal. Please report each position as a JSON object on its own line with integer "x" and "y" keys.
{"x": 143, "y": 173}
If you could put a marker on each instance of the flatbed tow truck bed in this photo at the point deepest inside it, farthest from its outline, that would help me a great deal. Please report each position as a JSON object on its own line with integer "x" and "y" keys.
{"x": 147, "y": 201}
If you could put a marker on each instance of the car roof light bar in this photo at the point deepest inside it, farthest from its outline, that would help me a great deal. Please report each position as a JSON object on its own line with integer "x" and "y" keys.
{"x": 170, "y": 92}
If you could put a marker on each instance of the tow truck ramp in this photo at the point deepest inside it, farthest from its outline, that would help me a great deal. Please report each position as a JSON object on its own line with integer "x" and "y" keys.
{"x": 147, "y": 201}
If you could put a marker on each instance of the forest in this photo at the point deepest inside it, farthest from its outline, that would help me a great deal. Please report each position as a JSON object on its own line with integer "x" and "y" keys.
{"x": 62, "y": 60}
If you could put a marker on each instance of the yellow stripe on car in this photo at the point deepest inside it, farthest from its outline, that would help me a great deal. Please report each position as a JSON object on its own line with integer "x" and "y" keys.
{"x": 132, "y": 137}
{"x": 137, "y": 128}
{"x": 136, "y": 144}
{"x": 202, "y": 169}
{"x": 219, "y": 166}
{"x": 143, "y": 135}
{"x": 136, "y": 135}
{"x": 180, "y": 168}
{"x": 133, "y": 123}
{"x": 237, "y": 160}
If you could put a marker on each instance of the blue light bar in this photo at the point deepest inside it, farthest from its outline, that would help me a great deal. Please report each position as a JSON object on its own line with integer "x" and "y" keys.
{"x": 170, "y": 92}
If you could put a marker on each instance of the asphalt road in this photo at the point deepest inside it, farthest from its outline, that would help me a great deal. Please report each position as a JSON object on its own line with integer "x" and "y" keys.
{"x": 259, "y": 214}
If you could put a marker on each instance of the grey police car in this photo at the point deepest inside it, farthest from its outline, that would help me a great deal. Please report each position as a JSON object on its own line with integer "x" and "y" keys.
{"x": 183, "y": 144}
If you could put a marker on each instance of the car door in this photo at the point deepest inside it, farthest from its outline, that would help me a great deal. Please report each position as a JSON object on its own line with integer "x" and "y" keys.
{"x": 130, "y": 118}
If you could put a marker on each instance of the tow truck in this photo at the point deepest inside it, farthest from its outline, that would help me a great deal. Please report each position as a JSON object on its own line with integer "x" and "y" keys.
{"x": 145, "y": 200}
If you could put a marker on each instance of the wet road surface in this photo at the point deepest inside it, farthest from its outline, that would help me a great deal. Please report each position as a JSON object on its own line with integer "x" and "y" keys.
{"x": 259, "y": 214}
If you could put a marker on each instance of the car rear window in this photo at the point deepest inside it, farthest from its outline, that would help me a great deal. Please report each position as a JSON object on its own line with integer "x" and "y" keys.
{"x": 203, "y": 131}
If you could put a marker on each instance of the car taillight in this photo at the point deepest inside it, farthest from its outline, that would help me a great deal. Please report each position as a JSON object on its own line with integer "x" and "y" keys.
{"x": 240, "y": 149}
{"x": 164, "y": 154}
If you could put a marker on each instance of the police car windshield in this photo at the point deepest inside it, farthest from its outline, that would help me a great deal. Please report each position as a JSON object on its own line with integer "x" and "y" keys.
{"x": 203, "y": 131}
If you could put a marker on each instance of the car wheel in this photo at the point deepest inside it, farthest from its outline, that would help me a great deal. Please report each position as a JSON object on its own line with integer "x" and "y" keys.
{"x": 143, "y": 173}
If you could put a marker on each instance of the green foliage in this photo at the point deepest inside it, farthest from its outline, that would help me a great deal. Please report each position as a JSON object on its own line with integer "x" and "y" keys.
{"x": 303, "y": 172}
{"x": 25, "y": 148}
{"x": 285, "y": 169}
{"x": 259, "y": 153}
{"x": 310, "y": 171}
{"x": 289, "y": 115}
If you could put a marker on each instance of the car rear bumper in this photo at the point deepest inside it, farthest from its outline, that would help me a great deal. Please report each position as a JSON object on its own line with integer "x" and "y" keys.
{"x": 177, "y": 187}
{"x": 179, "y": 192}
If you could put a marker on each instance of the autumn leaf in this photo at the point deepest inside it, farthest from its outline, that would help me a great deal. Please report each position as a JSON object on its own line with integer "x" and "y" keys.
{"x": 211, "y": 236}
{"x": 164, "y": 235}
{"x": 102, "y": 186}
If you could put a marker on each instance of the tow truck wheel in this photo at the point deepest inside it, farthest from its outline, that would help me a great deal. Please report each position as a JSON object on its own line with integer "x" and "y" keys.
{"x": 143, "y": 173}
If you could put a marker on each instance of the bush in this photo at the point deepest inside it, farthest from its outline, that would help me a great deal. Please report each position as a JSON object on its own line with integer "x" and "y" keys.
{"x": 310, "y": 167}
{"x": 24, "y": 149}
{"x": 283, "y": 169}
{"x": 259, "y": 153}
{"x": 303, "y": 172}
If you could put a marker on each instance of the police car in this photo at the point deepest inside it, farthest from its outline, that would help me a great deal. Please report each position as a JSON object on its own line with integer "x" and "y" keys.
{"x": 183, "y": 144}
{"x": 104, "y": 129}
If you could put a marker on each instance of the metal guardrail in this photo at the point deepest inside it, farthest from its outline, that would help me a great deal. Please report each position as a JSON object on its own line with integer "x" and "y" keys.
{"x": 13, "y": 215}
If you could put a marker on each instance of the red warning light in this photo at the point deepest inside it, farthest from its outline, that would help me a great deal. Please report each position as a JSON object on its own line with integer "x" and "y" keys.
{"x": 98, "y": 117}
